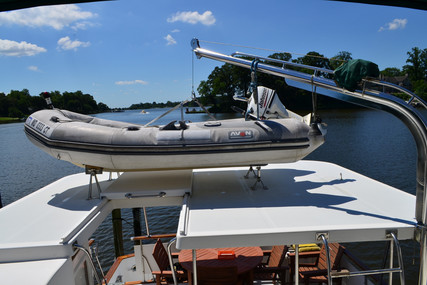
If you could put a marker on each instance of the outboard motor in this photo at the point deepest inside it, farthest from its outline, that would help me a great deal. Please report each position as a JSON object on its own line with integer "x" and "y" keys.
{"x": 270, "y": 106}
{"x": 48, "y": 100}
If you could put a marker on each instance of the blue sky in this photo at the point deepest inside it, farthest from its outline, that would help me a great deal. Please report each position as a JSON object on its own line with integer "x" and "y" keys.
{"x": 130, "y": 51}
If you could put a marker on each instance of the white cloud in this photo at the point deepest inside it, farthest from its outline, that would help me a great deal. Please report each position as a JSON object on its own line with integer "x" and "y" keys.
{"x": 170, "y": 40}
{"x": 207, "y": 18}
{"x": 57, "y": 17}
{"x": 33, "y": 68}
{"x": 12, "y": 48}
{"x": 175, "y": 31}
{"x": 132, "y": 82}
{"x": 66, "y": 43}
{"x": 82, "y": 25}
{"x": 394, "y": 25}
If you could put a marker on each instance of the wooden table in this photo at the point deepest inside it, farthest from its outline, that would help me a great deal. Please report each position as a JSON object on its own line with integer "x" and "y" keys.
{"x": 247, "y": 258}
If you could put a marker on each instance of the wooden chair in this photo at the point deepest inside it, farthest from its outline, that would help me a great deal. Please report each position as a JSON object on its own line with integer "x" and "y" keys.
{"x": 217, "y": 275}
{"x": 162, "y": 260}
{"x": 317, "y": 272}
{"x": 273, "y": 269}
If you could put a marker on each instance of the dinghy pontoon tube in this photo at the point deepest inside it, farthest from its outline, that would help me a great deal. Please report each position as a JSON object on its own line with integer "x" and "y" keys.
{"x": 118, "y": 146}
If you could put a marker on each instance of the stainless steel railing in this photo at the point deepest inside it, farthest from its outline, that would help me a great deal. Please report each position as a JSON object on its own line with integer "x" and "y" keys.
{"x": 366, "y": 97}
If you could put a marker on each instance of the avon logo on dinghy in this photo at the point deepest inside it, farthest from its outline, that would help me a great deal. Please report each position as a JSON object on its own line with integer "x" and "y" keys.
{"x": 240, "y": 135}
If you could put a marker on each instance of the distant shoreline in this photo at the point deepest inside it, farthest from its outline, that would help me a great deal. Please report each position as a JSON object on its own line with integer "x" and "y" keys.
{"x": 8, "y": 120}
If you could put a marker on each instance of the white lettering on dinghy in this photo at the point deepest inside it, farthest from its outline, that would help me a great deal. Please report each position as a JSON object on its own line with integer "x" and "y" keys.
{"x": 37, "y": 125}
{"x": 240, "y": 134}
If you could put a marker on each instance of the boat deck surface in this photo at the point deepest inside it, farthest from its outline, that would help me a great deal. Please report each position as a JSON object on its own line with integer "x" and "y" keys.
{"x": 303, "y": 199}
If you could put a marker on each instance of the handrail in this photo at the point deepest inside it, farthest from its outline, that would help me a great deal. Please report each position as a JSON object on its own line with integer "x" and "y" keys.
{"x": 328, "y": 256}
{"x": 399, "y": 257}
{"x": 284, "y": 62}
{"x": 95, "y": 273}
{"x": 361, "y": 266}
{"x": 329, "y": 71}
{"x": 151, "y": 237}
{"x": 175, "y": 282}
{"x": 184, "y": 215}
{"x": 398, "y": 88}
{"x": 399, "y": 269}
{"x": 403, "y": 110}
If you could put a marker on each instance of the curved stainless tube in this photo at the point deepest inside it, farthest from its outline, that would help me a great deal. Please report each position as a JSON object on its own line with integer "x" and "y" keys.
{"x": 400, "y": 259}
{"x": 328, "y": 257}
{"x": 95, "y": 273}
{"x": 172, "y": 241}
{"x": 411, "y": 117}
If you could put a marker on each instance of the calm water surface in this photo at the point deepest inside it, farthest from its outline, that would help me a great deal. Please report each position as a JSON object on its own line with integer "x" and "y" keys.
{"x": 372, "y": 143}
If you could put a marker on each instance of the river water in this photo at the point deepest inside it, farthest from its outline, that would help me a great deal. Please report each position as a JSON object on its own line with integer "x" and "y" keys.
{"x": 370, "y": 142}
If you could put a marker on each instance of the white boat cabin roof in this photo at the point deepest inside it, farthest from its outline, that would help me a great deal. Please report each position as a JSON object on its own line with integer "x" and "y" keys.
{"x": 221, "y": 210}
{"x": 302, "y": 199}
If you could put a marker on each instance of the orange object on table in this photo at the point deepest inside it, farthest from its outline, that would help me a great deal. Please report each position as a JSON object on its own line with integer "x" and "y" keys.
{"x": 246, "y": 258}
{"x": 226, "y": 254}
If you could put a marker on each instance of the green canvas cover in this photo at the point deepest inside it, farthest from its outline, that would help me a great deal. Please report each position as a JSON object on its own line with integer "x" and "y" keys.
{"x": 349, "y": 74}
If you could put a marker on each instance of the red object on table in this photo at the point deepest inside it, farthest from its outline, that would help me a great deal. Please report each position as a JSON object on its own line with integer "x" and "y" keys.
{"x": 246, "y": 258}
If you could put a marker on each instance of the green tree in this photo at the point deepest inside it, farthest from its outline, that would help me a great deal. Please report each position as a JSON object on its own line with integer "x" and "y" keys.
{"x": 4, "y": 105}
{"x": 222, "y": 84}
{"x": 57, "y": 99}
{"x": 417, "y": 69}
{"x": 102, "y": 107}
{"x": 391, "y": 72}
{"x": 420, "y": 88}
{"x": 339, "y": 59}
{"x": 284, "y": 56}
{"x": 313, "y": 59}
{"x": 14, "y": 112}
{"x": 20, "y": 101}
{"x": 37, "y": 103}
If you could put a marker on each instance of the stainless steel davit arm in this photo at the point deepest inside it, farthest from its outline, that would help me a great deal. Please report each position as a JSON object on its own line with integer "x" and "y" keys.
{"x": 404, "y": 110}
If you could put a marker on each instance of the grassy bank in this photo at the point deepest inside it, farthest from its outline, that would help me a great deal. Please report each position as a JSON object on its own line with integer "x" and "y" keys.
{"x": 6, "y": 120}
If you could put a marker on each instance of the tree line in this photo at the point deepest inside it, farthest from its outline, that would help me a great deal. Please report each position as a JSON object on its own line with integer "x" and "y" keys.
{"x": 226, "y": 81}
{"x": 18, "y": 104}
{"x": 154, "y": 104}
{"x": 223, "y": 83}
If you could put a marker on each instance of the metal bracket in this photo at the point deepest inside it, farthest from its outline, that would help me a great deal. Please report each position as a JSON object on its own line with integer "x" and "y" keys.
{"x": 419, "y": 232}
{"x": 93, "y": 171}
{"x": 320, "y": 234}
{"x": 257, "y": 175}
{"x": 132, "y": 195}
{"x": 388, "y": 233}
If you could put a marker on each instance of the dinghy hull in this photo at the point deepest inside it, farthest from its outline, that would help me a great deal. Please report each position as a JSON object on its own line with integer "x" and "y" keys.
{"x": 118, "y": 146}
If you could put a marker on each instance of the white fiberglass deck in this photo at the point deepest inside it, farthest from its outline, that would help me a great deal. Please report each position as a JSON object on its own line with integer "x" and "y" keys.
{"x": 40, "y": 229}
{"x": 43, "y": 224}
{"x": 303, "y": 198}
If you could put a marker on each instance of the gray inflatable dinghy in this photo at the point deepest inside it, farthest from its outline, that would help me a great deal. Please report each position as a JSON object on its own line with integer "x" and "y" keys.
{"x": 117, "y": 146}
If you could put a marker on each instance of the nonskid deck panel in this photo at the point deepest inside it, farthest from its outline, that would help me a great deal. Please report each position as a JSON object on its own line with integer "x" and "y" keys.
{"x": 303, "y": 199}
